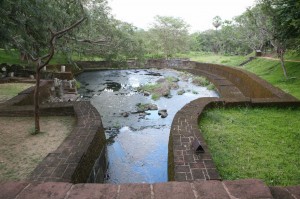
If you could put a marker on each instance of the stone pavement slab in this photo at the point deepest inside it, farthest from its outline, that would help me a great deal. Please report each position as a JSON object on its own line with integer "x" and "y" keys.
{"x": 11, "y": 189}
{"x": 246, "y": 189}
{"x": 47, "y": 190}
{"x": 210, "y": 190}
{"x": 281, "y": 193}
{"x": 213, "y": 189}
{"x": 93, "y": 191}
{"x": 142, "y": 191}
{"x": 174, "y": 190}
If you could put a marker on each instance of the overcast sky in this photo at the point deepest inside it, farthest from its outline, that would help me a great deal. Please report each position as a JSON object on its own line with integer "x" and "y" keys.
{"x": 197, "y": 13}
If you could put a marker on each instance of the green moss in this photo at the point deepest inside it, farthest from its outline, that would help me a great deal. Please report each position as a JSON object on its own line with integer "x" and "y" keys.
{"x": 200, "y": 81}
{"x": 180, "y": 92}
{"x": 161, "y": 88}
{"x": 155, "y": 96}
{"x": 258, "y": 143}
{"x": 211, "y": 87}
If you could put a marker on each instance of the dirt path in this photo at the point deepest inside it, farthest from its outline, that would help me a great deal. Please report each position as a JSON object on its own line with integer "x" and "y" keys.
{"x": 287, "y": 60}
{"x": 20, "y": 152}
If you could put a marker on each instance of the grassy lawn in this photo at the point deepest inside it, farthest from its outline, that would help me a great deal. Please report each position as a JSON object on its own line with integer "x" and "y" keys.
{"x": 271, "y": 71}
{"x": 215, "y": 59}
{"x": 13, "y": 57}
{"x": 258, "y": 143}
{"x": 10, "y": 90}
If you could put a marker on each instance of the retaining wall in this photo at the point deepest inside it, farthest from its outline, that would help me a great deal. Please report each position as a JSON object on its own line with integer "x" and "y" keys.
{"x": 73, "y": 160}
{"x": 237, "y": 87}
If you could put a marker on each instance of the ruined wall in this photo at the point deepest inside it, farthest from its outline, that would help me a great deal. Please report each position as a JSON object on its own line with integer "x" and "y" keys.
{"x": 249, "y": 84}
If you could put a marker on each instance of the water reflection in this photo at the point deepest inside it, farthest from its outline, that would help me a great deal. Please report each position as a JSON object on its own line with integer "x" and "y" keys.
{"x": 137, "y": 147}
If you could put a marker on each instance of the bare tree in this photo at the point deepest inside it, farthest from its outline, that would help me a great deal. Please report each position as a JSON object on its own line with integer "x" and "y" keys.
{"x": 41, "y": 62}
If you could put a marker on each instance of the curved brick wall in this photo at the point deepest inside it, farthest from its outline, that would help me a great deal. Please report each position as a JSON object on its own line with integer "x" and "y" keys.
{"x": 249, "y": 84}
{"x": 73, "y": 160}
{"x": 237, "y": 88}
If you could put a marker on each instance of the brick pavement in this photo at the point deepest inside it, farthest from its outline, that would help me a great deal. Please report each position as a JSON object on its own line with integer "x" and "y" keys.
{"x": 176, "y": 190}
{"x": 197, "y": 171}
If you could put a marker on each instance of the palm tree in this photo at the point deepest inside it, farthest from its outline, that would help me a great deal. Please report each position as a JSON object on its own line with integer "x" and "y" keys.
{"x": 217, "y": 21}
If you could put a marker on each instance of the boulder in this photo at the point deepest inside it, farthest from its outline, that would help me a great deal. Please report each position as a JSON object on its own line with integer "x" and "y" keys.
{"x": 163, "y": 113}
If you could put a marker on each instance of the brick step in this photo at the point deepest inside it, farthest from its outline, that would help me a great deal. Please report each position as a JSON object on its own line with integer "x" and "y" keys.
{"x": 176, "y": 190}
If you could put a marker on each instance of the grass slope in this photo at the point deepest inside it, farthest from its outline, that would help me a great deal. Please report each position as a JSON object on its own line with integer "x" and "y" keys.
{"x": 10, "y": 90}
{"x": 258, "y": 143}
{"x": 271, "y": 71}
{"x": 215, "y": 59}
{"x": 13, "y": 57}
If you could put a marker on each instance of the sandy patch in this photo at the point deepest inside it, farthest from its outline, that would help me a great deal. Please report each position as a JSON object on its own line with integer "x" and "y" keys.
{"x": 21, "y": 152}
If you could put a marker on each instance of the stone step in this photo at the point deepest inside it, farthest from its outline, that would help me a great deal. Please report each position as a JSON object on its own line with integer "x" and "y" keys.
{"x": 176, "y": 190}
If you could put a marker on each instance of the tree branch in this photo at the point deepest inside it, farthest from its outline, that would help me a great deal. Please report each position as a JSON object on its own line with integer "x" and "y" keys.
{"x": 54, "y": 35}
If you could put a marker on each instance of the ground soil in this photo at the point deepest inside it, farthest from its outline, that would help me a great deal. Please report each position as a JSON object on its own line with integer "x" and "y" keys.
{"x": 21, "y": 152}
{"x": 9, "y": 90}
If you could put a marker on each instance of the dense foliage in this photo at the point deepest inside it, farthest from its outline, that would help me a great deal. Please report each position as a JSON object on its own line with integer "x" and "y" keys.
{"x": 268, "y": 25}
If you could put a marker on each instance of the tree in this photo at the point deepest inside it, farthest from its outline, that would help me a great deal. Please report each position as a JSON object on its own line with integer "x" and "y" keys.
{"x": 283, "y": 26}
{"x": 217, "y": 22}
{"x": 32, "y": 28}
{"x": 106, "y": 37}
{"x": 170, "y": 35}
{"x": 41, "y": 62}
{"x": 250, "y": 29}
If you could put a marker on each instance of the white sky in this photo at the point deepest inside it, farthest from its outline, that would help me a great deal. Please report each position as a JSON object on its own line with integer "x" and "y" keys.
{"x": 197, "y": 13}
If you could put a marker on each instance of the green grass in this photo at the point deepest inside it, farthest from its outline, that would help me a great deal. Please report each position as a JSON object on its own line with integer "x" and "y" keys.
{"x": 13, "y": 57}
{"x": 215, "y": 59}
{"x": 161, "y": 88}
{"x": 271, "y": 71}
{"x": 10, "y": 90}
{"x": 260, "y": 143}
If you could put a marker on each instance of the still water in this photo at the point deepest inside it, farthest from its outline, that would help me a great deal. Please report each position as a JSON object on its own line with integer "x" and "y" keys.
{"x": 137, "y": 149}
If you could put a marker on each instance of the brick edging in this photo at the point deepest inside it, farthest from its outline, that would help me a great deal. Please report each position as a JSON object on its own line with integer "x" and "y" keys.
{"x": 73, "y": 160}
{"x": 184, "y": 163}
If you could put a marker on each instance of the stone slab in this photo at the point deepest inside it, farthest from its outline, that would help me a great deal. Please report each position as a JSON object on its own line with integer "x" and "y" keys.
{"x": 11, "y": 189}
{"x": 47, "y": 190}
{"x": 128, "y": 191}
{"x": 174, "y": 190}
{"x": 280, "y": 193}
{"x": 210, "y": 190}
{"x": 250, "y": 188}
{"x": 93, "y": 191}
{"x": 294, "y": 190}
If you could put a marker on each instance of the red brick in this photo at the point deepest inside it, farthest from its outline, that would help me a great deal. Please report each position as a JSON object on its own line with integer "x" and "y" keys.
{"x": 128, "y": 191}
{"x": 11, "y": 189}
{"x": 182, "y": 169}
{"x": 249, "y": 188}
{"x": 210, "y": 190}
{"x": 213, "y": 174}
{"x": 46, "y": 190}
{"x": 174, "y": 190}
{"x": 180, "y": 177}
{"x": 280, "y": 193}
{"x": 198, "y": 165}
{"x": 93, "y": 191}
{"x": 295, "y": 190}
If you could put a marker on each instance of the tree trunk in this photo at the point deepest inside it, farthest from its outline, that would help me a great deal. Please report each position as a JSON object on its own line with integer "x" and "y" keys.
{"x": 281, "y": 57}
{"x": 36, "y": 101}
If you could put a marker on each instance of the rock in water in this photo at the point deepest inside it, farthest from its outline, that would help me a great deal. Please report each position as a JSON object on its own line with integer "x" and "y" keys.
{"x": 125, "y": 114}
{"x": 163, "y": 113}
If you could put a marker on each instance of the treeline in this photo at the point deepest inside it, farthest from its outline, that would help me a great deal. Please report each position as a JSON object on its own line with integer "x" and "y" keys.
{"x": 25, "y": 25}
